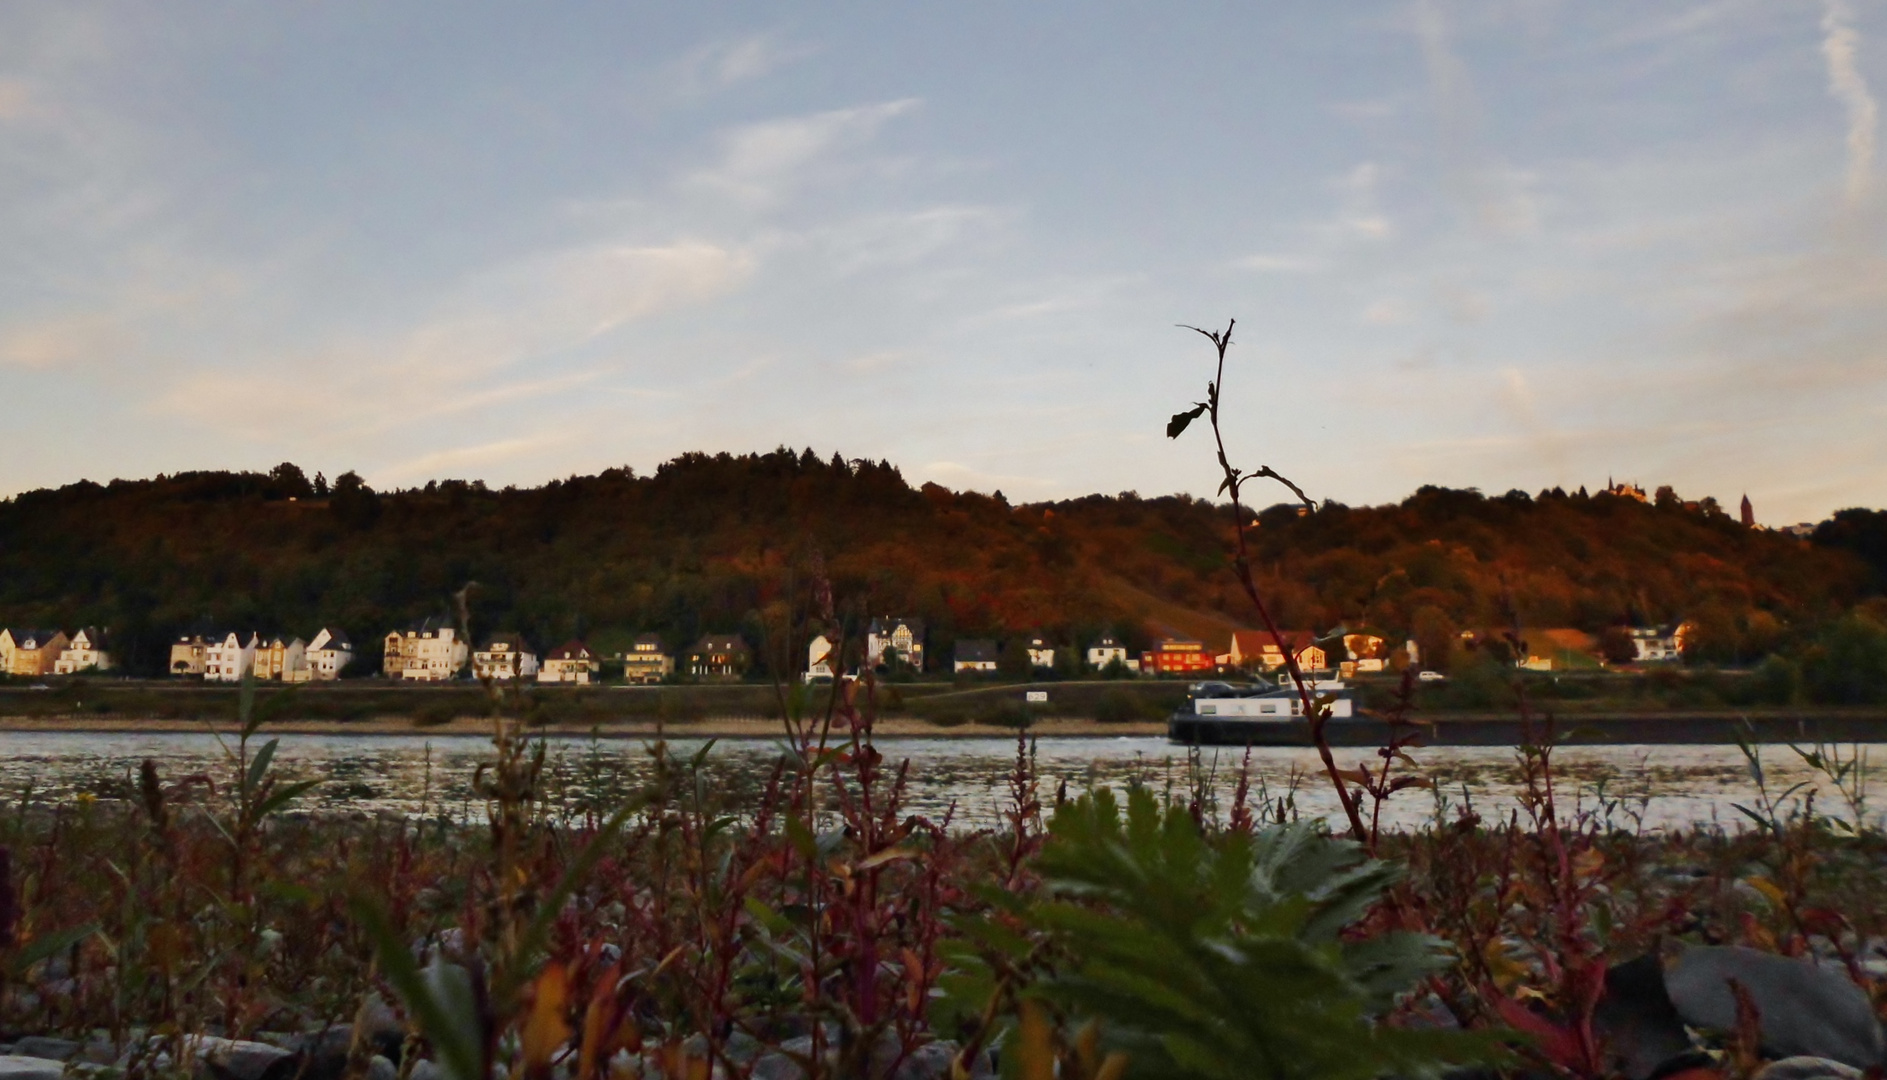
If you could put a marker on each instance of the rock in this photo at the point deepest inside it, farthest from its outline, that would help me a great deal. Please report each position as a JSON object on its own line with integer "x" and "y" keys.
{"x": 424, "y": 1069}
{"x": 769, "y": 1066}
{"x": 382, "y": 1069}
{"x": 234, "y": 1059}
{"x": 41, "y": 1046}
{"x": 21, "y": 1067}
{"x": 1808, "y": 1068}
{"x": 1806, "y": 1010}
{"x": 1640, "y": 1025}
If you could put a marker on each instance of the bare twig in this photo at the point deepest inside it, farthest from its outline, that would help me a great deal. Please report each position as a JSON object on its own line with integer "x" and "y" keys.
{"x": 1316, "y": 712}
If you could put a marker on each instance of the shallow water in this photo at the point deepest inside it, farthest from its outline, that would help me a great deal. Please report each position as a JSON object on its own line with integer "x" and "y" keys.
{"x": 1660, "y": 786}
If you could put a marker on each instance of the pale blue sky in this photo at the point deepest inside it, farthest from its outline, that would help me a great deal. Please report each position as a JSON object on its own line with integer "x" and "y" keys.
{"x": 1492, "y": 244}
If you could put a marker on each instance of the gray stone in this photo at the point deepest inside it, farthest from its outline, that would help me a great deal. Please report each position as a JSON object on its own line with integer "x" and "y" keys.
{"x": 776, "y": 1066}
{"x": 382, "y": 1069}
{"x": 1640, "y": 1027}
{"x": 42, "y": 1046}
{"x": 21, "y": 1067}
{"x": 1806, "y": 1010}
{"x": 424, "y": 1069}
{"x": 236, "y": 1059}
{"x": 1808, "y": 1068}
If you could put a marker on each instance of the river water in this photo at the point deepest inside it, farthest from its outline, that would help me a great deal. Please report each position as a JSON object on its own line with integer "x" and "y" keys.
{"x": 1658, "y": 786}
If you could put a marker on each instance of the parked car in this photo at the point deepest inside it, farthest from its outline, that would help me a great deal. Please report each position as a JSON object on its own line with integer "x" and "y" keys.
{"x": 1431, "y": 676}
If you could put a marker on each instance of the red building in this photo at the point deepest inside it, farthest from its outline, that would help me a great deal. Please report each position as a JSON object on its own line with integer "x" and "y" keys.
{"x": 1177, "y": 656}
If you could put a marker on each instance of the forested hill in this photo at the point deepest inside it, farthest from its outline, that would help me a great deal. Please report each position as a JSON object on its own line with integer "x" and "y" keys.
{"x": 725, "y": 543}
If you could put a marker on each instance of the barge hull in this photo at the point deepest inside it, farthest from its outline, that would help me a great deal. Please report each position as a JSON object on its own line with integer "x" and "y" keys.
{"x": 1680, "y": 730}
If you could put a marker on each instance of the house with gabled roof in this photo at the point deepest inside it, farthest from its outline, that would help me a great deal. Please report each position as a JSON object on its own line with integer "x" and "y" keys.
{"x": 571, "y": 662}
{"x": 975, "y": 656}
{"x": 504, "y": 658}
{"x": 87, "y": 651}
{"x": 230, "y": 656}
{"x": 1258, "y": 650}
{"x": 30, "y": 653}
{"x": 281, "y": 659}
{"x": 329, "y": 652}
{"x": 720, "y": 657}
{"x": 901, "y": 636}
{"x": 189, "y": 655}
{"x": 1106, "y": 650}
{"x": 426, "y": 651}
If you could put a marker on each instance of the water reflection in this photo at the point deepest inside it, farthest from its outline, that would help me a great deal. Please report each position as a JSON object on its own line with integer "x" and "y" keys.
{"x": 1664, "y": 786}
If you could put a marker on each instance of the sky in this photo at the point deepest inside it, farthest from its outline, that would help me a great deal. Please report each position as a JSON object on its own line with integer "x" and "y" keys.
{"x": 1510, "y": 243}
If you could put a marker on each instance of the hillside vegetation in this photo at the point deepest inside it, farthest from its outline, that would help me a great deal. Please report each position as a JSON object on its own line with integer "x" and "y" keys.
{"x": 743, "y": 543}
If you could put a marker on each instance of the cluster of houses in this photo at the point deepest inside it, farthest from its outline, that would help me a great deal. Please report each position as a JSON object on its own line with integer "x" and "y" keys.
{"x": 32, "y": 653}
{"x": 434, "y": 651}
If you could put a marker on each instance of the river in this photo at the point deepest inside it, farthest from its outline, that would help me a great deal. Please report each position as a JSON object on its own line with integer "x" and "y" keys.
{"x": 1658, "y": 786}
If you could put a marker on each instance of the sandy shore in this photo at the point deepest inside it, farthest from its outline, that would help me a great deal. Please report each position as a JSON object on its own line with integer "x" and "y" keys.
{"x": 724, "y": 728}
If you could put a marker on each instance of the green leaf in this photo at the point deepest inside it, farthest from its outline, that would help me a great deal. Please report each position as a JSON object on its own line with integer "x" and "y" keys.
{"x": 444, "y": 1004}
{"x": 281, "y": 796}
{"x": 1181, "y": 420}
{"x": 46, "y": 946}
{"x": 259, "y": 766}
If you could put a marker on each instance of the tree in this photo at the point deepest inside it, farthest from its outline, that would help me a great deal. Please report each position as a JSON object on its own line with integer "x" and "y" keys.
{"x": 1014, "y": 661}
{"x": 1435, "y": 636}
{"x": 1616, "y": 646}
{"x": 287, "y": 481}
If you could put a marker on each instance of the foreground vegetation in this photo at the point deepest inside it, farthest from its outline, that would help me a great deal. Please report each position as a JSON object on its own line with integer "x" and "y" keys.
{"x": 807, "y": 918}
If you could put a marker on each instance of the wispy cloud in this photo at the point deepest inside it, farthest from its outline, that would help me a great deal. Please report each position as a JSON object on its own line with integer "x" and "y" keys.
{"x": 759, "y": 164}
{"x": 1840, "y": 43}
{"x": 721, "y": 64}
{"x": 486, "y": 348}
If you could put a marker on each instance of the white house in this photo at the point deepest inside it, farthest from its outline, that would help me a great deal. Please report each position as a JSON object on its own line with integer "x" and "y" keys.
{"x": 328, "y": 655}
{"x": 1041, "y": 652}
{"x": 504, "y": 657}
{"x": 429, "y": 651}
{"x": 819, "y": 659}
{"x": 1660, "y": 643}
{"x": 571, "y": 662}
{"x": 85, "y": 652}
{"x": 906, "y": 636}
{"x": 230, "y": 657}
{"x": 975, "y": 656}
{"x": 1107, "y": 650}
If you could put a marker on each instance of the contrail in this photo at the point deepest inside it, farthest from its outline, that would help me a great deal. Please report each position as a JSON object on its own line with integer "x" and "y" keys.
{"x": 1839, "y": 45}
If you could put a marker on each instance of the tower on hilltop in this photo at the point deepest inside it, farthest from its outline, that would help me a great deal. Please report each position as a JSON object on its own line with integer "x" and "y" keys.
{"x": 1749, "y": 513}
